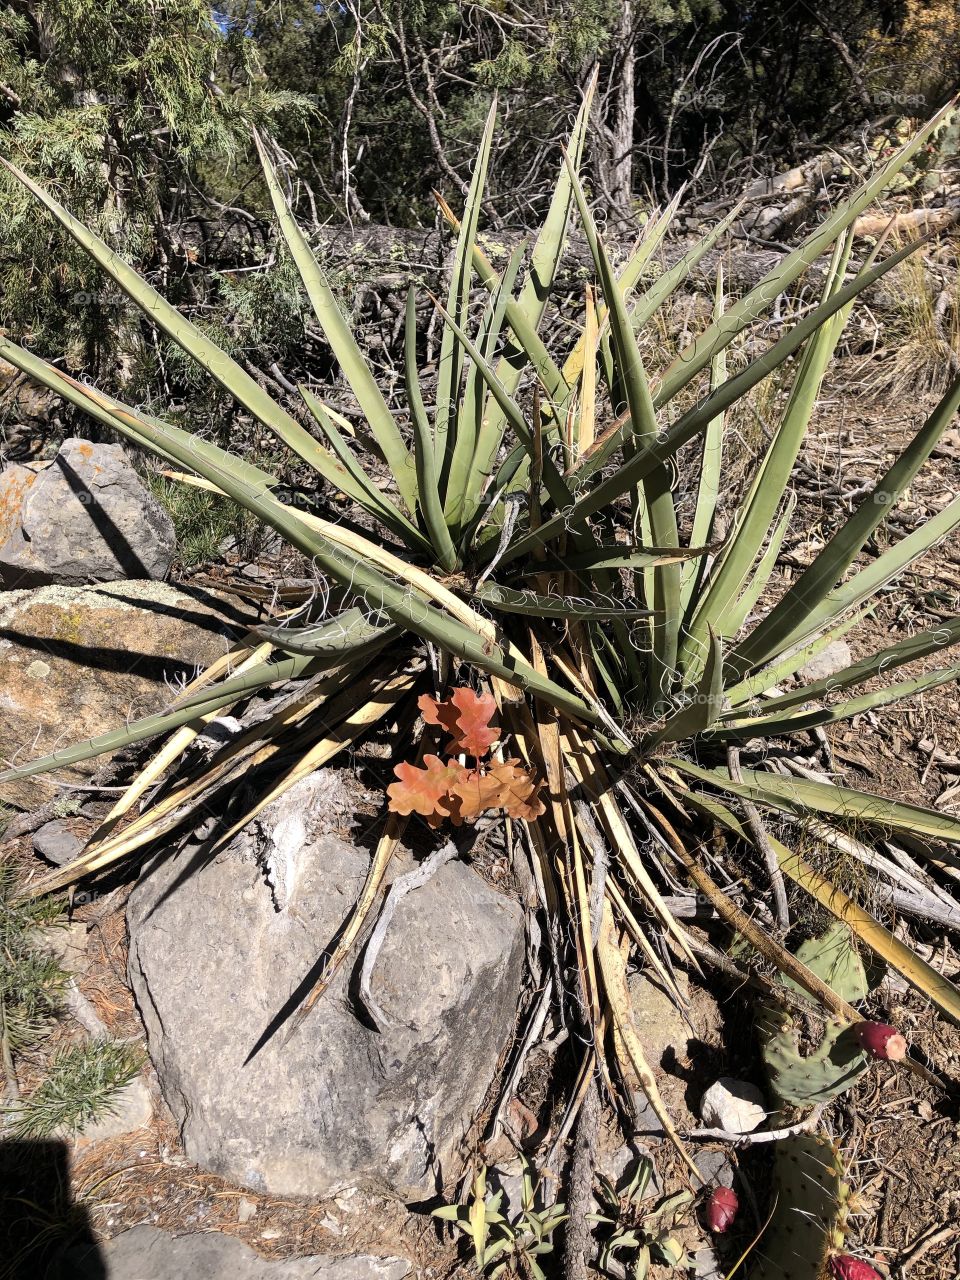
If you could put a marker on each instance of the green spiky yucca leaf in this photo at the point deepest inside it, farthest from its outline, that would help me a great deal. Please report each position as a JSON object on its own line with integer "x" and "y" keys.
{"x": 549, "y": 552}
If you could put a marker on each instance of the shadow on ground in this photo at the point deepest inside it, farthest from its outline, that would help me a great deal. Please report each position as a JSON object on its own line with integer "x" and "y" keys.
{"x": 44, "y": 1234}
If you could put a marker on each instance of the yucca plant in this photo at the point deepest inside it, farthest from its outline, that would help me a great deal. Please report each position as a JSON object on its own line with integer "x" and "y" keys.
{"x": 529, "y": 542}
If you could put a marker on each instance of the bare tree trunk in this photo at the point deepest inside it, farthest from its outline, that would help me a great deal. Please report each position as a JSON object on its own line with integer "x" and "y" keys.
{"x": 617, "y": 166}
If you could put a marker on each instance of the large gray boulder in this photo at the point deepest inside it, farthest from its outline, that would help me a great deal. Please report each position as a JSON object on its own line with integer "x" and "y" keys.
{"x": 218, "y": 951}
{"x": 147, "y": 1253}
{"x": 86, "y": 517}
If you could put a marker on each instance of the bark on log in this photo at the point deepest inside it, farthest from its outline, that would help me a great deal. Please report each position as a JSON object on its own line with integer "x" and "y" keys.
{"x": 914, "y": 221}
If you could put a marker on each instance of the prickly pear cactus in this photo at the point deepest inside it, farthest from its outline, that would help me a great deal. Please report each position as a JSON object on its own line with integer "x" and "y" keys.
{"x": 804, "y": 1080}
{"x": 811, "y": 1079}
{"x": 813, "y": 1200}
{"x": 835, "y": 959}
{"x": 809, "y": 1220}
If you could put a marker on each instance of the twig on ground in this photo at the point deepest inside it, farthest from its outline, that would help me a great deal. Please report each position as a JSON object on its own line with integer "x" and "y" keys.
{"x": 24, "y": 824}
{"x": 922, "y": 1247}
{"x": 765, "y": 1135}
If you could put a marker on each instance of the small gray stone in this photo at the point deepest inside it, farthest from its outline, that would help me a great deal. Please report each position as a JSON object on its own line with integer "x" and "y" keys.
{"x": 56, "y": 842}
{"x": 706, "y": 1264}
{"x": 67, "y": 943}
{"x": 147, "y": 1253}
{"x": 835, "y": 657}
{"x": 665, "y": 1034}
{"x": 715, "y": 1167}
{"x": 508, "y": 1179}
{"x": 737, "y": 1106}
{"x": 87, "y": 517}
{"x": 662, "y": 1027}
{"x": 621, "y": 1164}
{"x": 647, "y": 1123}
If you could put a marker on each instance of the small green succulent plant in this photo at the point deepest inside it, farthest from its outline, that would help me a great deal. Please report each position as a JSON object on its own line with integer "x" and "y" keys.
{"x": 643, "y": 1233}
{"x": 503, "y": 1246}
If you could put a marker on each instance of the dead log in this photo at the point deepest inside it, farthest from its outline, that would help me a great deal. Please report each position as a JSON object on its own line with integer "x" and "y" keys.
{"x": 912, "y": 221}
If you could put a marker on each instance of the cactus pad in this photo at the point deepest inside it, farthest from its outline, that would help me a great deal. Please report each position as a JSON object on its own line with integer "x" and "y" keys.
{"x": 808, "y": 1220}
{"x": 834, "y": 958}
{"x": 817, "y": 1077}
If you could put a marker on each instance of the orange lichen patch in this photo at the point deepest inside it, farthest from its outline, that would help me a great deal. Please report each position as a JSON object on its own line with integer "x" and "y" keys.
{"x": 85, "y": 450}
{"x": 15, "y": 484}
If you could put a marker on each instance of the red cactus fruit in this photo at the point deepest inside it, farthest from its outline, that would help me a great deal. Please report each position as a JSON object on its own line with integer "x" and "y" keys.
{"x": 880, "y": 1040}
{"x": 845, "y": 1267}
{"x": 721, "y": 1209}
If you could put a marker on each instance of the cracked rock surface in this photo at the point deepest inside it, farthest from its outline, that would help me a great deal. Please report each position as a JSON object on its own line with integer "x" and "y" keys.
{"x": 219, "y": 949}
